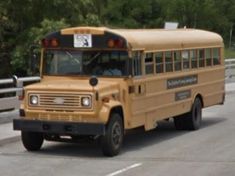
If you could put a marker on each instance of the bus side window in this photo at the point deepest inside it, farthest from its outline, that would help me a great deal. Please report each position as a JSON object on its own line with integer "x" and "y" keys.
{"x": 149, "y": 63}
{"x": 168, "y": 61}
{"x": 194, "y": 60}
{"x": 216, "y": 56}
{"x": 185, "y": 57}
{"x": 137, "y": 63}
{"x": 159, "y": 62}
{"x": 201, "y": 56}
{"x": 208, "y": 57}
{"x": 178, "y": 61}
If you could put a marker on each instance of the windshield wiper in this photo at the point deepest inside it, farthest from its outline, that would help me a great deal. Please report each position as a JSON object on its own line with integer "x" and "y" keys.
{"x": 93, "y": 58}
{"x": 72, "y": 57}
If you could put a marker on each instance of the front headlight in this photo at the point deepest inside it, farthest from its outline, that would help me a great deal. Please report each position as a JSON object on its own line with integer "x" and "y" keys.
{"x": 33, "y": 99}
{"x": 86, "y": 101}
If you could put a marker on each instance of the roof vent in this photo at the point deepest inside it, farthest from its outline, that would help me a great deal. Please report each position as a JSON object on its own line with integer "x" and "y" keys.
{"x": 171, "y": 25}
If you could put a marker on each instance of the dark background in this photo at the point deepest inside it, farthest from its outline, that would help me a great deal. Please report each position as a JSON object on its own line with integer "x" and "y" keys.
{"x": 25, "y": 22}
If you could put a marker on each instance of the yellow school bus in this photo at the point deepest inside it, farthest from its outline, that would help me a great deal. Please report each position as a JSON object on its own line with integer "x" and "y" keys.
{"x": 99, "y": 82}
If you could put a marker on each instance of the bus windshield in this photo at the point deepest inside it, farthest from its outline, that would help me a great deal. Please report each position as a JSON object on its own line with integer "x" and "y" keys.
{"x": 87, "y": 63}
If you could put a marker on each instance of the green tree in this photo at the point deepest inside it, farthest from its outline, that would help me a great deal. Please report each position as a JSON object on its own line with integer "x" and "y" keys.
{"x": 227, "y": 10}
{"x": 24, "y": 22}
{"x": 132, "y": 14}
{"x": 7, "y": 29}
{"x": 33, "y": 36}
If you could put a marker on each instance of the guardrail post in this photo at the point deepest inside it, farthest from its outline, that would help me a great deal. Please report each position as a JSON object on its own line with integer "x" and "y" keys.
{"x": 18, "y": 84}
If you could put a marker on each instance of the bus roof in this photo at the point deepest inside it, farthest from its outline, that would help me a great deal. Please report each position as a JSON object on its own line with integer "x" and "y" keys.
{"x": 157, "y": 39}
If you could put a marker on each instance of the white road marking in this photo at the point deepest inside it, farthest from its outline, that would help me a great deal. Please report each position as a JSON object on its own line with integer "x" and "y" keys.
{"x": 124, "y": 169}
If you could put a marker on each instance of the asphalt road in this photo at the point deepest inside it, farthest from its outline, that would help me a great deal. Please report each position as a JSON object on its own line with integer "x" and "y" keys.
{"x": 209, "y": 151}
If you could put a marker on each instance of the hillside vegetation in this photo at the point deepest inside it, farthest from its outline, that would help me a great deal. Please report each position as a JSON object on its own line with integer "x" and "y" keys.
{"x": 25, "y": 22}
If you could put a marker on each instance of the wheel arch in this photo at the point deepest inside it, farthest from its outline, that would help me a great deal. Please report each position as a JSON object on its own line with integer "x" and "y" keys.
{"x": 119, "y": 110}
{"x": 200, "y": 98}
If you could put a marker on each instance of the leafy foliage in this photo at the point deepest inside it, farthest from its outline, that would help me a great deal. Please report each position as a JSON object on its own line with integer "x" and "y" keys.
{"x": 31, "y": 38}
{"x": 25, "y": 22}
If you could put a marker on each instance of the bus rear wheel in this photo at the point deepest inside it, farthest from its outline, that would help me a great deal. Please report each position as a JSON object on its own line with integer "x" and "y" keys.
{"x": 113, "y": 139}
{"x": 191, "y": 120}
{"x": 32, "y": 141}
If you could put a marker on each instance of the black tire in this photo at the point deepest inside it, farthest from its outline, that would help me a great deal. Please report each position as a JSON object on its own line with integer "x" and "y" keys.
{"x": 32, "y": 141}
{"x": 191, "y": 120}
{"x": 195, "y": 118}
{"x": 113, "y": 139}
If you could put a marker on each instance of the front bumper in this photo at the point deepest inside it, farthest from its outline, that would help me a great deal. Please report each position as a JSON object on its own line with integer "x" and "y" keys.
{"x": 62, "y": 128}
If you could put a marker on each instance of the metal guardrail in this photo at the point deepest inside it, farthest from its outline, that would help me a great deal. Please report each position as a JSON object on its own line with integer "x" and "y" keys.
{"x": 11, "y": 102}
{"x": 229, "y": 69}
{"x": 230, "y": 63}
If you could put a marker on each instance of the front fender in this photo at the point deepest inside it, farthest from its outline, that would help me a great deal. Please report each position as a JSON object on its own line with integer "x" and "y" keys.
{"x": 106, "y": 109}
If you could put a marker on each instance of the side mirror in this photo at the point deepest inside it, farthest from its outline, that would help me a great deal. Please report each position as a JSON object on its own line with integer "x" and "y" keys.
{"x": 34, "y": 59}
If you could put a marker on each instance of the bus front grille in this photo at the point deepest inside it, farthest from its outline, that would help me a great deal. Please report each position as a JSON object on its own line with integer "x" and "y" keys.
{"x": 60, "y": 101}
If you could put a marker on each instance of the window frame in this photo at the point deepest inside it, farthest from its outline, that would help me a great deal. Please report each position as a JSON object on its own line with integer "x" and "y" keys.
{"x": 193, "y": 60}
{"x": 180, "y": 58}
{"x": 195, "y": 51}
{"x": 162, "y": 64}
{"x": 171, "y": 63}
{"x": 210, "y": 57}
{"x": 149, "y": 63}
{"x": 183, "y": 60}
{"x": 137, "y": 64}
{"x": 203, "y": 61}
{"x": 219, "y": 56}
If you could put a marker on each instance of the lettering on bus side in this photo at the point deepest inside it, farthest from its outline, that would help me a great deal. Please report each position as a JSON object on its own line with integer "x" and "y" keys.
{"x": 182, "y": 81}
{"x": 182, "y": 95}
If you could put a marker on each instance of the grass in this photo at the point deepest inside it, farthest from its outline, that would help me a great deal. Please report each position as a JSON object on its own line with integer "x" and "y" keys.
{"x": 229, "y": 53}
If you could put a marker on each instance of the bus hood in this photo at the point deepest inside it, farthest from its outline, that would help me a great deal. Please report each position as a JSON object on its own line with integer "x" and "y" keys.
{"x": 73, "y": 85}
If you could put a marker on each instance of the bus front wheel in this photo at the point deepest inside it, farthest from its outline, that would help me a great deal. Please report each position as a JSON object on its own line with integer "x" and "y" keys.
{"x": 32, "y": 141}
{"x": 191, "y": 120}
{"x": 113, "y": 139}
